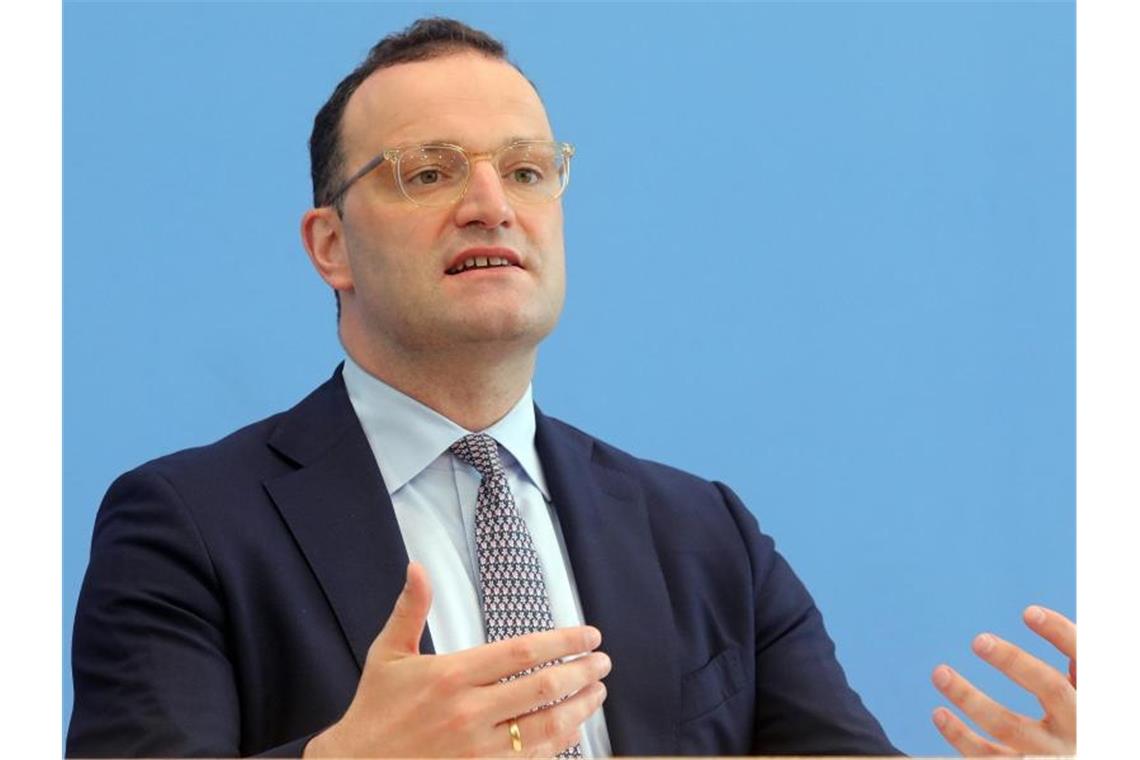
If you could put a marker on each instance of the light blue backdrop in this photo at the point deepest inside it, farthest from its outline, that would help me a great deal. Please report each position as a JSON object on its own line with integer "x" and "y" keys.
{"x": 823, "y": 252}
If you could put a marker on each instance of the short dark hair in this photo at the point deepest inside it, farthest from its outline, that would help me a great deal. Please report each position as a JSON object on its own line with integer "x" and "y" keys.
{"x": 424, "y": 40}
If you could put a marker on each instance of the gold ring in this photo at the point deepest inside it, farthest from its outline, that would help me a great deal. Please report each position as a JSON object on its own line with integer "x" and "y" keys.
{"x": 516, "y": 737}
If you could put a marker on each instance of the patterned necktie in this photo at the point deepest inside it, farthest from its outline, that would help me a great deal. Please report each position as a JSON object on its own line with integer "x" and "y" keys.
{"x": 515, "y": 601}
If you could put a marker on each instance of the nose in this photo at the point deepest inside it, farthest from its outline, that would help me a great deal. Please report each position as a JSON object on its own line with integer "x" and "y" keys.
{"x": 485, "y": 203}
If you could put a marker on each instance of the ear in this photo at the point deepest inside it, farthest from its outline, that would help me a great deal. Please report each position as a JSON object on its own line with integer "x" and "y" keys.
{"x": 323, "y": 236}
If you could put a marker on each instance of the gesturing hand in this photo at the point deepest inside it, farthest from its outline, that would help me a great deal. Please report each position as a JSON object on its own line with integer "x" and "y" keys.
{"x": 413, "y": 705}
{"x": 1055, "y": 734}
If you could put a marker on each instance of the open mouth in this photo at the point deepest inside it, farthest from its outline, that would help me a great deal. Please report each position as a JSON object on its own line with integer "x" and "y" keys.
{"x": 479, "y": 262}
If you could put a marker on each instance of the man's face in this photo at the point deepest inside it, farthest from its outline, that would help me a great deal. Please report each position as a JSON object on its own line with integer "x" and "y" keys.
{"x": 401, "y": 296}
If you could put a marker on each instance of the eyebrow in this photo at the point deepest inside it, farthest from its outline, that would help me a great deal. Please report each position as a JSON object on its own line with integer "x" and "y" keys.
{"x": 454, "y": 141}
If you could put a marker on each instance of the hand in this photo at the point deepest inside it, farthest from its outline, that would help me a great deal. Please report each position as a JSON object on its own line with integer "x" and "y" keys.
{"x": 413, "y": 705}
{"x": 1055, "y": 734}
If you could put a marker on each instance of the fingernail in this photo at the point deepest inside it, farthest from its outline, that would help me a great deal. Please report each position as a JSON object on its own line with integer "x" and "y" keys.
{"x": 983, "y": 643}
{"x": 942, "y": 677}
{"x": 1035, "y": 615}
{"x": 939, "y": 718}
{"x": 593, "y": 638}
{"x": 601, "y": 691}
{"x": 604, "y": 662}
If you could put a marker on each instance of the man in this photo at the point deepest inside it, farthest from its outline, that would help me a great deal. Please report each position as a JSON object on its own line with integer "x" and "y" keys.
{"x": 414, "y": 561}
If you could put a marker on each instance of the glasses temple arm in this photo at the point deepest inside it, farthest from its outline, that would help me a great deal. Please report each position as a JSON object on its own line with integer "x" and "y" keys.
{"x": 352, "y": 180}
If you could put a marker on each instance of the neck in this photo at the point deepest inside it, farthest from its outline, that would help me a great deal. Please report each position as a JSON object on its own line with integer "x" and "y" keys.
{"x": 474, "y": 388}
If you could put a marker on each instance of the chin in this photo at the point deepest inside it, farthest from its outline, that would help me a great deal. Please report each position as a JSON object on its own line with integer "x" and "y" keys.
{"x": 504, "y": 319}
{"x": 509, "y": 328}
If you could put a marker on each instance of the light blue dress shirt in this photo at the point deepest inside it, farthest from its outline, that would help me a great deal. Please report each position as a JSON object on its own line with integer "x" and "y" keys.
{"x": 433, "y": 494}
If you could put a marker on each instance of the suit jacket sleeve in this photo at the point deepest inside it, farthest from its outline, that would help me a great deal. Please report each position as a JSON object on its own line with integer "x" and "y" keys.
{"x": 151, "y": 664}
{"x": 804, "y": 705}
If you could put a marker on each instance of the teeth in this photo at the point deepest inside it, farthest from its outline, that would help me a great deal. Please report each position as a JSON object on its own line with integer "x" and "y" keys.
{"x": 480, "y": 262}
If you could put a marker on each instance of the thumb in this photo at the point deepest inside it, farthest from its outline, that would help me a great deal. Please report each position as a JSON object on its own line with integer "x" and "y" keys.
{"x": 401, "y": 634}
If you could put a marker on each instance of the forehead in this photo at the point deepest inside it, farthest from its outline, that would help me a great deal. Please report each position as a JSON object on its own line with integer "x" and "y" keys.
{"x": 469, "y": 98}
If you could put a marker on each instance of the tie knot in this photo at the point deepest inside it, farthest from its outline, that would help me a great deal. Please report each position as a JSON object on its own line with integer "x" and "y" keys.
{"x": 480, "y": 451}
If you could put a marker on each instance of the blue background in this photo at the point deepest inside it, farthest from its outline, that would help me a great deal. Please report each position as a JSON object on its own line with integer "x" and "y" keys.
{"x": 822, "y": 252}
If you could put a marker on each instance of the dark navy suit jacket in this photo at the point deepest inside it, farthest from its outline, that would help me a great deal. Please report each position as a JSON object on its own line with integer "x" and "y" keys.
{"x": 233, "y": 591}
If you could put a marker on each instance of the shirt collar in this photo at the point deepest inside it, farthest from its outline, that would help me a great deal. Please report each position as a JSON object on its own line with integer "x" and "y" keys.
{"x": 407, "y": 436}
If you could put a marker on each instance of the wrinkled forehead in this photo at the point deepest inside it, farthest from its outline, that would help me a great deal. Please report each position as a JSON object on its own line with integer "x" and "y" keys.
{"x": 466, "y": 98}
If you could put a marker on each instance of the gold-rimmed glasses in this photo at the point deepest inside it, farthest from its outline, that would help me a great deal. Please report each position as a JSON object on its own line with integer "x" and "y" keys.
{"x": 436, "y": 174}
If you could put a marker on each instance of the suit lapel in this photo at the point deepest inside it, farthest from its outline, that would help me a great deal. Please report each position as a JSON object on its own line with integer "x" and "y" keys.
{"x": 338, "y": 509}
{"x": 340, "y": 514}
{"x": 605, "y": 522}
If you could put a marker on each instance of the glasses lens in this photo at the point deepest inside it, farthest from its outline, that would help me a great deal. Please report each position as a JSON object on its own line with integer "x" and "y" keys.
{"x": 534, "y": 171}
{"x": 432, "y": 175}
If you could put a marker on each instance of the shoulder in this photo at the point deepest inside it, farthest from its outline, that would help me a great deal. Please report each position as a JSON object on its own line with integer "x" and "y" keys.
{"x": 240, "y": 451}
{"x": 194, "y": 495}
{"x": 274, "y": 444}
{"x": 226, "y": 479}
{"x": 646, "y": 472}
{"x": 676, "y": 499}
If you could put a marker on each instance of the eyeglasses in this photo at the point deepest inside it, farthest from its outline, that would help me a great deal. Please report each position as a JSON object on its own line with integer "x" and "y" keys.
{"x": 532, "y": 171}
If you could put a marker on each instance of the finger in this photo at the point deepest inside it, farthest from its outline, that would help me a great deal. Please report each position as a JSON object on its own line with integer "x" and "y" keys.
{"x": 490, "y": 663}
{"x": 547, "y": 732}
{"x": 1056, "y": 695}
{"x": 1073, "y": 673}
{"x": 544, "y": 686}
{"x": 963, "y": 739}
{"x": 1054, "y": 627}
{"x": 1013, "y": 730}
{"x": 401, "y": 634}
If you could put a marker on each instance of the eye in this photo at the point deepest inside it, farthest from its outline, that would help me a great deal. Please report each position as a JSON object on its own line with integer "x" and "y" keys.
{"x": 428, "y": 176}
{"x": 525, "y": 175}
